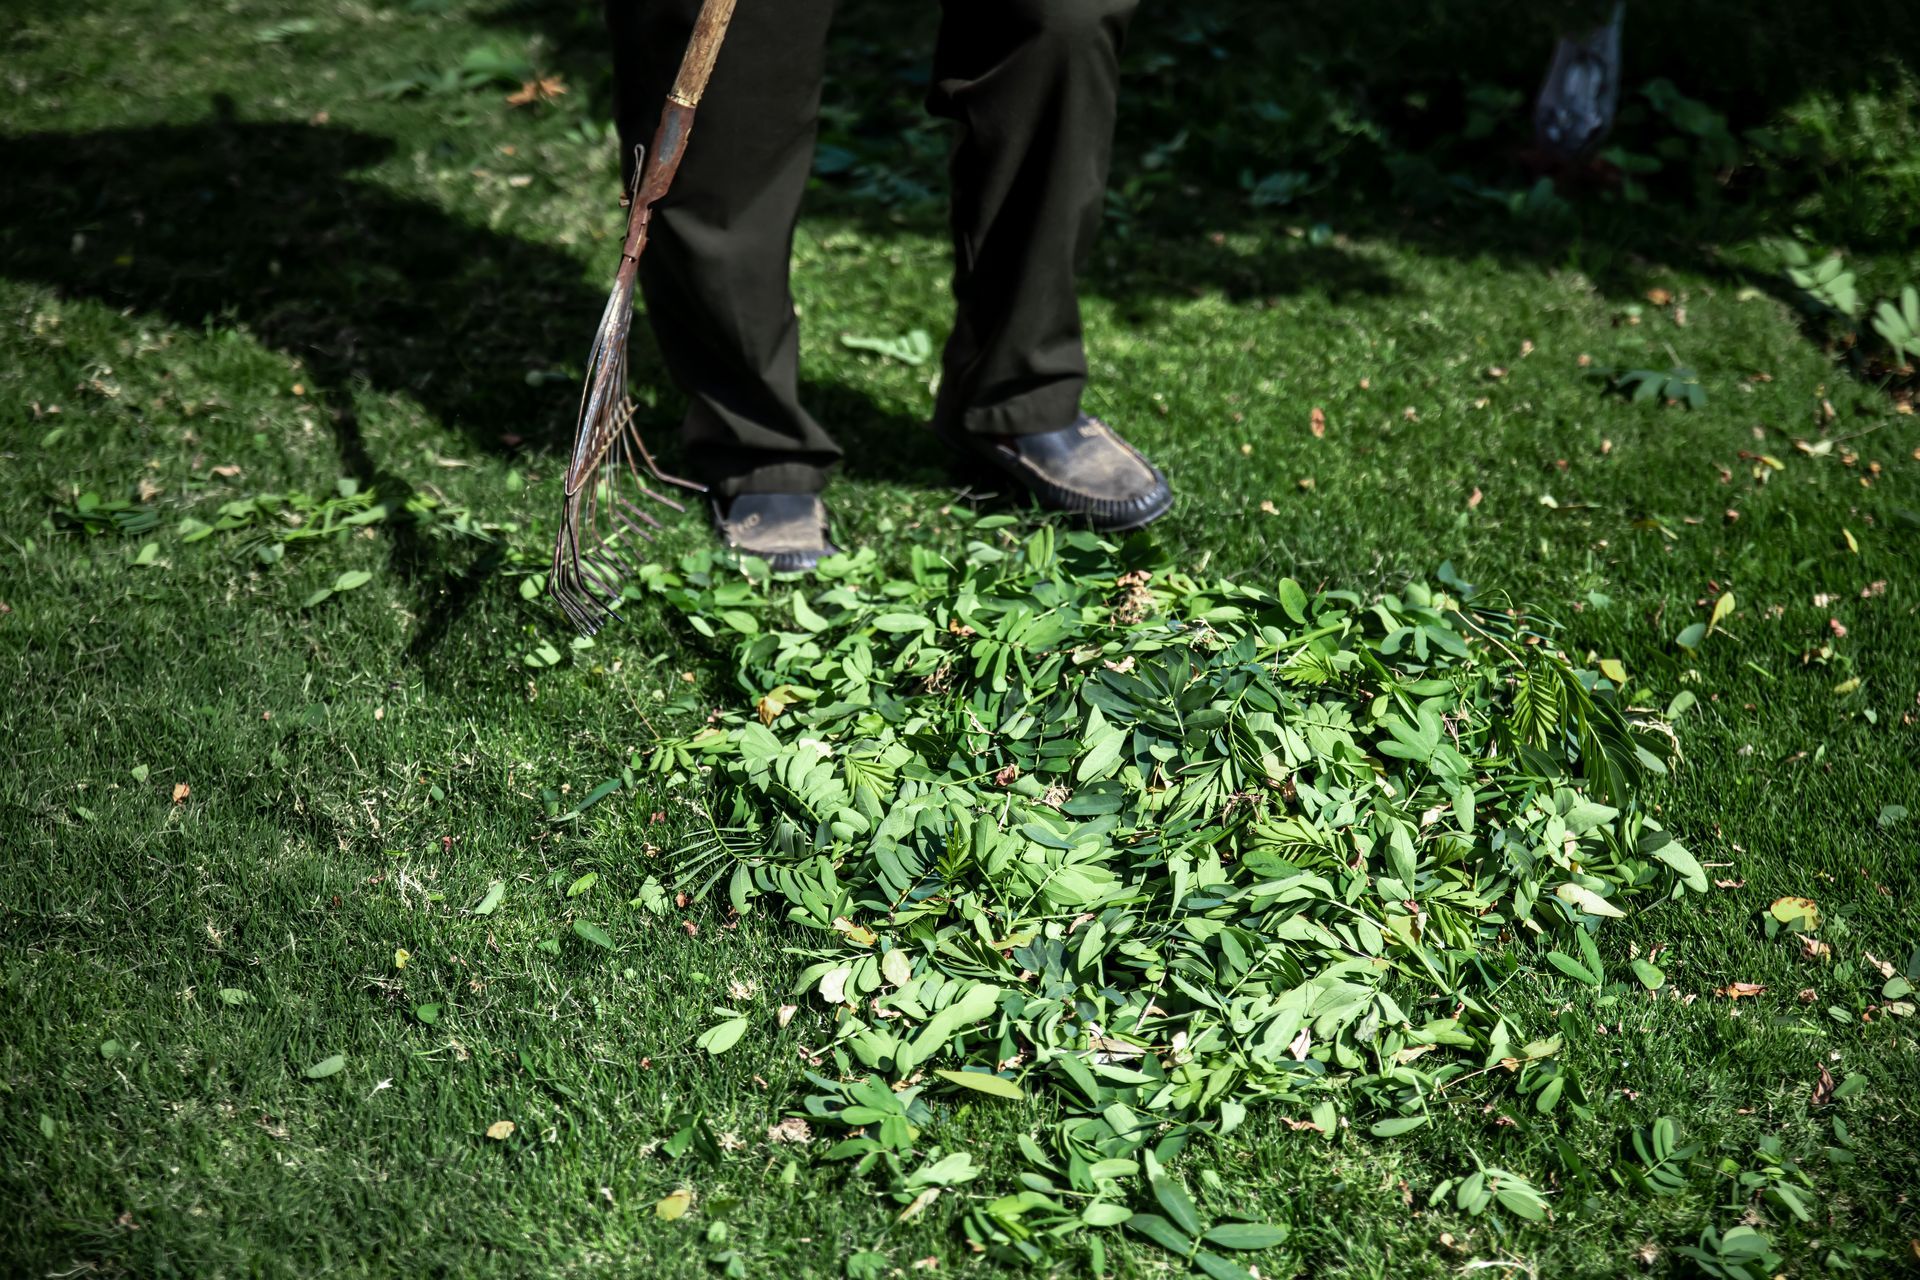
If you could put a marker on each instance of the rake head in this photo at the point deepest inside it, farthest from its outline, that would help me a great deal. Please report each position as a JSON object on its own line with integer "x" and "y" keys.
{"x": 601, "y": 523}
{"x": 611, "y": 464}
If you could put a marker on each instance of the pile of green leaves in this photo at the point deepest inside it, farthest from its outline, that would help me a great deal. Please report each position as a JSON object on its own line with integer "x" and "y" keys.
{"x": 1052, "y": 816}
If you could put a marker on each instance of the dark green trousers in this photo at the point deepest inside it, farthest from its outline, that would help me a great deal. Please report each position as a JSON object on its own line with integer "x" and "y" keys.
{"x": 1031, "y": 85}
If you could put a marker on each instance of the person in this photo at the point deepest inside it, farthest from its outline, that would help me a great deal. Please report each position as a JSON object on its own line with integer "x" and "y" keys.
{"x": 1032, "y": 86}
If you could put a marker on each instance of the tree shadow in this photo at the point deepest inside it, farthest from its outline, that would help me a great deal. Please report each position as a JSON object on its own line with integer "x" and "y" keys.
{"x": 1220, "y": 93}
{"x": 265, "y": 225}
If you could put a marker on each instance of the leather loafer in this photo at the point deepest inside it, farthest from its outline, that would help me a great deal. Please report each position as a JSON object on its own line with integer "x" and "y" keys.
{"x": 787, "y": 530}
{"x": 1083, "y": 469}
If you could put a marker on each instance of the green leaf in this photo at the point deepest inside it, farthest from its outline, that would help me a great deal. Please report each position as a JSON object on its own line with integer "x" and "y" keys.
{"x": 1651, "y": 978}
{"x": 1586, "y": 900}
{"x": 428, "y": 1014}
{"x": 1293, "y": 599}
{"x": 491, "y": 902}
{"x": 327, "y": 1067}
{"x": 1397, "y": 1125}
{"x": 1691, "y": 636}
{"x": 1098, "y": 762}
{"x": 981, "y": 1082}
{"x": 1670, "y": 851}
{"x": 804, "y": 615}
{"x": 912, "y": 347}
{"x": 1103, "y": 1213}
{"x": 1173, "y": 1197}
{"x": 351, "y": 580}
{"x": 593, "y": 933}
{"x": 1161, "y": 1232}
{"x": 1573, "y": 968}
{"x": 722, "y": 1036}
{"x": 583, "y": 884}
{"x": 1245, "y": 1235}
{"x": 1220, "y": 1268}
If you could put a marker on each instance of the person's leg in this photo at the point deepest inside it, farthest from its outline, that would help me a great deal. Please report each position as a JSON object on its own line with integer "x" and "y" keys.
{"x": 715, "y": 273}
{"x": 1033, "y": 86}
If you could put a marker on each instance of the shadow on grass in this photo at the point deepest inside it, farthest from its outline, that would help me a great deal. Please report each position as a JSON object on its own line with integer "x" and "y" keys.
{"x": 1382, "y": 113}
{"x": 265, "y": 225}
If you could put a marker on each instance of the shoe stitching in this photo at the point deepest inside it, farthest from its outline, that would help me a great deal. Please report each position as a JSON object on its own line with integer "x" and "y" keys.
{"x": 1093, "y": 428}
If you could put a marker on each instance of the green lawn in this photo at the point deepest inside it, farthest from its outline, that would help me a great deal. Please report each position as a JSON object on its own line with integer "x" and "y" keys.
{"x": 236, "y": 259}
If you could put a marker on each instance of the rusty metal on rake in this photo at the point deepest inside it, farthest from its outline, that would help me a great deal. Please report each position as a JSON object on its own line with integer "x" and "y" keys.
{"x": 592, "y": 555}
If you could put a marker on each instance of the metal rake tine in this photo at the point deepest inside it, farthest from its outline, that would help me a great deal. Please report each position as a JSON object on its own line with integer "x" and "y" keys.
{"x": 639, "y": 482}
{"x": 576, "y": 612}
{"x": 653, "y": 469}
{"x": 641, "y": 514}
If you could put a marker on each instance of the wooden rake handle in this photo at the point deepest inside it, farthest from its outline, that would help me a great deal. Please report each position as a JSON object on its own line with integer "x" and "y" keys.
{"x": 709, "y": 29}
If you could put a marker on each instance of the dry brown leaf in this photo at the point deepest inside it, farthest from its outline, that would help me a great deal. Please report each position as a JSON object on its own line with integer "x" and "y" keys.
{"x": 181, "y": 791}
{"x": 1317, "y": 423}
{"x": 1473, "y": 499}
{"x": 792, "y": 1130}
{"x": 501, "y": 1130}
{"x": 1734, "y": 990}
{"x": 1298, "y": 1125}
{"x": 1729, "y": 884}
{"x": 545, "y": 89}
{"x": 1885, "y": 967}
{"x": 1822, "y": 1091}
{"x": 1659, "y": 297}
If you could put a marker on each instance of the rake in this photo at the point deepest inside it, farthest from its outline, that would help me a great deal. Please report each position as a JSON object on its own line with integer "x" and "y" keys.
{"x": 609, "y": 457}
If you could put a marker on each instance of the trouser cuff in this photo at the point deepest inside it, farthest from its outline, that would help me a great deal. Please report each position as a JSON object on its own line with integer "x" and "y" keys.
{"x": 1047, "y": 409}
{"x": 731, "y": 474}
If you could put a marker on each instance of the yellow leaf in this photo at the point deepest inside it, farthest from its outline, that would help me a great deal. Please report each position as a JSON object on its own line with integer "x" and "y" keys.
{"x": 775, "y": 701}
{"x": 400, "y": 957}
{"x": 500, "y": 1130}
{"x": 1721, "y": 608}
{"x": 673, "y": 1205}
{"x": 1614, "y": 670}
{"x": 896, "y": 968}
{"x": 1789, "y": 910}
{"x": 1853, "y": 544}
{"x": 1846, "y": 687}
{"x": 858, "y": 934}
{"x": 920, "y": 1202}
